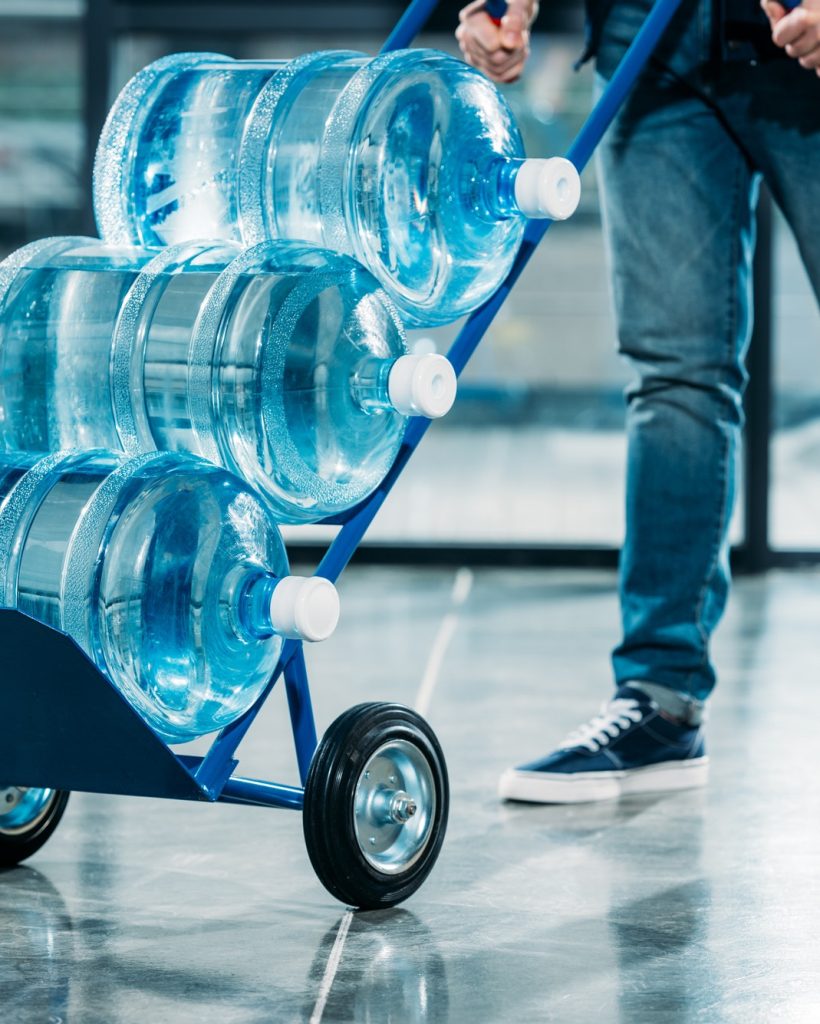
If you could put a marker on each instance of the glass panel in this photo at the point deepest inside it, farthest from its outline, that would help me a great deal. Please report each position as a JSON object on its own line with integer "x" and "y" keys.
{"x": 795, "y": 491}
{"x": 41, "y": 135}
{"x": 533, "y": 452}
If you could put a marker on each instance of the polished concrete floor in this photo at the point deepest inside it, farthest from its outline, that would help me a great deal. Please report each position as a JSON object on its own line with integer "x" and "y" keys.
{"x": 699, "y": 906}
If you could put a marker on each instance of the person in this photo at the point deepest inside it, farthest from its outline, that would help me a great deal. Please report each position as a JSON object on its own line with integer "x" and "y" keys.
{"x": 731, "y": 97}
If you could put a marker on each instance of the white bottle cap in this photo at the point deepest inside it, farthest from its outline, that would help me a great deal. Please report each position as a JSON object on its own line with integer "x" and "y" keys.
{"x": 548, "y": 188}
{"x": 422, "y": 385}
{"x": 304, "y": 608}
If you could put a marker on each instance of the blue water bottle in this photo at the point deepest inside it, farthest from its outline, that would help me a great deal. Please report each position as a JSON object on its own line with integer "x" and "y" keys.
{"x": 168, "y": 572}
{"x": 285, "y": 364}
{"x": 410, "y": 161}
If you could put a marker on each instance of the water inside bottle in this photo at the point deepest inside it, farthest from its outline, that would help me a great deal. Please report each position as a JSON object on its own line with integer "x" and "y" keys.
{"x": 385, "y": 159}
{"x": 257, "y": 367}
{"x": 143, "y": 562}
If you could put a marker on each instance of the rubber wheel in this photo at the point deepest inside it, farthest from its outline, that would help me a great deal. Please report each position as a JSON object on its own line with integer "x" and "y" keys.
{"x": 376, "y": 805}
{"x": 27, "y": 819}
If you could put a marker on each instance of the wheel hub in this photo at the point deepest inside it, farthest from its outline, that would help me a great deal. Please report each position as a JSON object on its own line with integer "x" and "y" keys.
{"x": 10, "y": 797}
{"x": 394, "y": 806}
{"x": 402, "y": 807}
{"x": 22, "y": 807}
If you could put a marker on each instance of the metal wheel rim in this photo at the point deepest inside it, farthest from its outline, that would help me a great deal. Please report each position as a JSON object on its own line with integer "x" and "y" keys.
{"x": 396, "y": 770}
{"x": 22, "y": 808}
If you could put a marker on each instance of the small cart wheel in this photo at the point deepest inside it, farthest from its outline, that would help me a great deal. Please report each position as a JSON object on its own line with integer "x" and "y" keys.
{"x": 376, "y": 803}
{"x": 27, "y": 819}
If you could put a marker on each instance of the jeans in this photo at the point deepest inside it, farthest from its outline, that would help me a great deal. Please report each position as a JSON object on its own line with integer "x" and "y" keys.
{"x": 679, "y": 173}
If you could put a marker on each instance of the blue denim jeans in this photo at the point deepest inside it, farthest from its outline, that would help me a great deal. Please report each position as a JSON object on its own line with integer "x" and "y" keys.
{"x": 679, "y": 172}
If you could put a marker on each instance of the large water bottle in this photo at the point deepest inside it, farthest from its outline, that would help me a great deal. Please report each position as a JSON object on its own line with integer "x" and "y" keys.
{"x": 285, "y": 364}
{"x": 168, "y": 572}
{"x": 410, "y": 161}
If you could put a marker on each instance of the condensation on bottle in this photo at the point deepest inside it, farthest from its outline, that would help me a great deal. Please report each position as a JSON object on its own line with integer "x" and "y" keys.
{"x": 168, "y": 572}
{"x": 283, "y": 363}
{"x": 410, "y": 161}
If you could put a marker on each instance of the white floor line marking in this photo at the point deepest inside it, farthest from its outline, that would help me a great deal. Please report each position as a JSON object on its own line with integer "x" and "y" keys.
{"x": 333, "y": 962}
{"x": 462, "y": 585}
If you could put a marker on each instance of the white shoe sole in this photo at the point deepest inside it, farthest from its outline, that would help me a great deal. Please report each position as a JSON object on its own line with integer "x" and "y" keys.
{"x": 583, "y": 787}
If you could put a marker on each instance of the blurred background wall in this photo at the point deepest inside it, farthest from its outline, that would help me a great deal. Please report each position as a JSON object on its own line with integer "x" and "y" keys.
{"x": 530, "y": 463}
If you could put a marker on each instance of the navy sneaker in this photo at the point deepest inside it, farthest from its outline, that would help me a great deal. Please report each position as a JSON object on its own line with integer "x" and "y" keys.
{"x": 631, "y": 746}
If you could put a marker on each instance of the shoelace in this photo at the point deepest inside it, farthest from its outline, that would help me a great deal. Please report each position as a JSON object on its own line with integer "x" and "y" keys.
{"x": 614, "y": 716}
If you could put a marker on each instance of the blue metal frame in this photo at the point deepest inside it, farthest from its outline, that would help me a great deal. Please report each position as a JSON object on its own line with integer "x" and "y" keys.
{"x": 80, "y": 732}
{"x": 409, "y": 25}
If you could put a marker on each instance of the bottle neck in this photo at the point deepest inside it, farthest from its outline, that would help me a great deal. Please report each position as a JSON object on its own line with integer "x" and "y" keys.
{"x": 489, "y": 190}
{"x": 252, "y": 606}
{"x": 370, "y": 385}
{"x": 292, "y": 607}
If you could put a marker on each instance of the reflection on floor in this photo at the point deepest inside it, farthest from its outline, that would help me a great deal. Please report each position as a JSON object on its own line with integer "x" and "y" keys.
{"x": 701, "y": 906}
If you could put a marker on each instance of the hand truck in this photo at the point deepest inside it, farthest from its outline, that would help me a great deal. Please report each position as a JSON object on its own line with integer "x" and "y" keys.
{"x": 374, "y": 792}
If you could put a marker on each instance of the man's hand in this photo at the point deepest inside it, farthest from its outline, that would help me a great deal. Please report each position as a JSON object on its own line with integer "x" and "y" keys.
{"x": 797, "y": 31}
{"x": 500, "y": 51}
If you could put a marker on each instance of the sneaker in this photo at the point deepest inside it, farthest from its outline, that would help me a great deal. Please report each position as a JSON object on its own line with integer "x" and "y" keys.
{"x": 631, "y": 746}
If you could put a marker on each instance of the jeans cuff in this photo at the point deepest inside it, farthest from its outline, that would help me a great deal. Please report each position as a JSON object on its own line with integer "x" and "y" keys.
{"x": 686, "y": 709}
